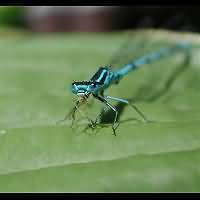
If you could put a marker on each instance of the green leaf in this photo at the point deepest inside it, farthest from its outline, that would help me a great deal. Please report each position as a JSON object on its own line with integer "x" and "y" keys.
{"x": 36, "y": 155}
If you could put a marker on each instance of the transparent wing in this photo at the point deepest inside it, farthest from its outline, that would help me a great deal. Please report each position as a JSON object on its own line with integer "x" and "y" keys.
{"x": 136, "y": 46}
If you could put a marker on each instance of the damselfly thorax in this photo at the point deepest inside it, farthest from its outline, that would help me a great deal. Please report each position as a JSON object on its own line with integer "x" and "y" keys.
{"x": 101, "y": 80}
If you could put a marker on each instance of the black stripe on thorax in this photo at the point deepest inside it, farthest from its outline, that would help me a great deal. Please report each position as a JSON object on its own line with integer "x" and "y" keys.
{"x": 98, "y": 74}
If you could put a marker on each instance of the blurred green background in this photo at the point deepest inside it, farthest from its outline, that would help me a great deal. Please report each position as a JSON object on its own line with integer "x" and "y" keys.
{"x": 12, "y": 16}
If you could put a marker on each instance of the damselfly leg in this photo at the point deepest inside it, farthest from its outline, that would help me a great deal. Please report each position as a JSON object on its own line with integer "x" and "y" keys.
{"x": 71, "y": 114}
{"x": 130, "y": 104}
{"x": 102, "y": 99}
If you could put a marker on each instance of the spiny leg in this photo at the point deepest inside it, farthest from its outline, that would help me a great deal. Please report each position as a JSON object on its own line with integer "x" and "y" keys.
{"x": 90, "y": 121}
{"x": 115, "y": 120}
{"x": 131, "y": 104}
{"x": 97, "y": 118}
{"x": 72, "y": 114}
{"x": 102, "y": 99}
{"x": 139, "y": 112}
{"x": 100, "y": 115}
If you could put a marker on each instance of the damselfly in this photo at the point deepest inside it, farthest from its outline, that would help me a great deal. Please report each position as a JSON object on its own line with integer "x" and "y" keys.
{"x": 143, "y": 52}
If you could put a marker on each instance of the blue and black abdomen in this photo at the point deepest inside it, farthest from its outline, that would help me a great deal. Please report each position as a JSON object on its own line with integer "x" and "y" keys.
{"x": 149, "y": 58}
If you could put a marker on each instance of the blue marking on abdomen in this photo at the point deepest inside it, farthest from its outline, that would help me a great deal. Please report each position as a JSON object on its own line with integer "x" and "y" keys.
{"x": 148, "y": 59}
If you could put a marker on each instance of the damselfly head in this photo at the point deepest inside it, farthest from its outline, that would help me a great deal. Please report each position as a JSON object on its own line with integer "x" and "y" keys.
{"x": 81, "y": 88}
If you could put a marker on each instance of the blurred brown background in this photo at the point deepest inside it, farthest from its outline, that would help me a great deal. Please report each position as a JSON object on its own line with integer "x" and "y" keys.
{"x": 99, "y": 18}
